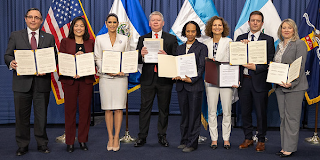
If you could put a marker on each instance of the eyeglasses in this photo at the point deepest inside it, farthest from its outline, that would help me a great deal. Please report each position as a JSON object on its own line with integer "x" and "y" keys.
{"x": 34, "y": 17}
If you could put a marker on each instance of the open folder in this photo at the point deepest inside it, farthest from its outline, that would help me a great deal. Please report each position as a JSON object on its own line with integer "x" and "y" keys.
{"x": 279, "y": 72}
{"x": 221, "y": 74}
{"x": 32, "y": 62}
{"x": 115, "y": 62}
{"x": 72, "y": 65}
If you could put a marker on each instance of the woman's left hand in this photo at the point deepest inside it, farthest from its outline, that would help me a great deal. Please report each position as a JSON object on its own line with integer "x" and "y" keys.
{"x": 79, "y": 52}
{"x": 187, "y": 79}
{"x": 285, "y": 85}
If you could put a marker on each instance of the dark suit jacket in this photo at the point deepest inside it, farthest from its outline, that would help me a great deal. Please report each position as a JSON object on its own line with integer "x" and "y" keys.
{"x": 259, "y": 76}
{"x": 169, "y": 46}
{"x": 68, "y": 45}
{"x": 18, "y": 41}
{"x": 201, "y": 52}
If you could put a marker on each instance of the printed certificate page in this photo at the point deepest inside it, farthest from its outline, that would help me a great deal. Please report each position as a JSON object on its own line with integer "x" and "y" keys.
{"x": 294, "y": 70}
{"x": 26, "y": 64}
{"x": 153, "y": 47}
{"x": 186, "y": 65}
{"x": 229, "y": 75}
{"x": 277, "y": 73}
{"x": 129, "y": 62}
{"x": 238, "y": 53}
{"x": 85, "y": 64}
{"x": 67, "y": 64}
{"x": 45, "y": 59}
{"x": 257, "y": 52}
{"x": 167, "y": 66}
{"x": 111, "y": 62}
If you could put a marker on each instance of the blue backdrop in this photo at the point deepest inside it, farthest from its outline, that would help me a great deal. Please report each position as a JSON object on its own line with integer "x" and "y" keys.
{"x": 12, "y": 18}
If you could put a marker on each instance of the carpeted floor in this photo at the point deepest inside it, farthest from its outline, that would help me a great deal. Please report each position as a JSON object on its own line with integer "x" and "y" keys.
{"x": 152, "y": 150}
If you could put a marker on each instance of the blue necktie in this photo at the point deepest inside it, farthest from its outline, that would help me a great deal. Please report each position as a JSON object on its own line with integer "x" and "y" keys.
{"x": 252, "y": 37}
{"x": 249, "y": 70}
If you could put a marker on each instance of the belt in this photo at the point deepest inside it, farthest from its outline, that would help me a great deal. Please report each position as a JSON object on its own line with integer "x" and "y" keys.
{"x": 247, "y": 76}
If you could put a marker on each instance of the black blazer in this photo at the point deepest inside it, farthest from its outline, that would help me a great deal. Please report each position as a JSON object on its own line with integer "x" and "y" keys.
{"x": 201, "y": 52}
{"x": 169, "y": 46}
{"x": 19, "y": 40}
{"x": 259, "y": 76}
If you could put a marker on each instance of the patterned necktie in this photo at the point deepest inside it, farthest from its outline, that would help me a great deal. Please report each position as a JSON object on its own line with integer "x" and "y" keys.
{"x": 155, "y": 66}
{"x": 33, "y": 41}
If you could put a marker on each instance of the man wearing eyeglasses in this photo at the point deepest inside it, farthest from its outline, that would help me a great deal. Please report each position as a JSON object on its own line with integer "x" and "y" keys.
{"x": 28, "y": 90}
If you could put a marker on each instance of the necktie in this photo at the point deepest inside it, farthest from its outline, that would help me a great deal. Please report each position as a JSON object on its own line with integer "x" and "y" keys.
{"x": 33, "y": 41}
{"x": 249, "y": 70}
{"x": 252, "y": 37}
{"x": 155, "y": 66}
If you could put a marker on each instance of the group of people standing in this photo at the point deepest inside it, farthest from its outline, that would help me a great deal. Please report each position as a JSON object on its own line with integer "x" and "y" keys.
{"x": 253, "y": 88}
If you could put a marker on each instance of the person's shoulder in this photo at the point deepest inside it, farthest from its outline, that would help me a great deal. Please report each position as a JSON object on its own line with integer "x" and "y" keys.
{"x": 242, "y": 36}
{"x": 90, "y": 40}
{"x": 300, "y": 43}
{"x": 19, "y": 32}
{"x": 146, "y": 35}
{"x": 168, "y": 34}
{"x": 266, "y": 36}
{"x": 123, "y": 36}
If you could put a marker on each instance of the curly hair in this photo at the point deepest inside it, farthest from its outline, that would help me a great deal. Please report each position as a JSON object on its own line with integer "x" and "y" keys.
{"x": 208, "y": 30}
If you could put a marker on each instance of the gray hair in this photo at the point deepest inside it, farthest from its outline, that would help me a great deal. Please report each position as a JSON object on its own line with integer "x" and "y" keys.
{"x": 156, "y": 13}
{"x": 291, "y": 23}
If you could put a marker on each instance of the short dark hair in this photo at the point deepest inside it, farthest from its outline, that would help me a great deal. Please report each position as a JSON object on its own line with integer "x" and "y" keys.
{"x": 112, "y": 15}
{"x": 86, "y": 34}
{"x": 208, "y": 29}
{"x": 183, "y": 33}
{"x": 256, "y": 13}
{"x": 33, "y": 9}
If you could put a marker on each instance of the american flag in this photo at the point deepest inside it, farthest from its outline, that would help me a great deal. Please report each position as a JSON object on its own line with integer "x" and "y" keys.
{"x": 57, "y": 23}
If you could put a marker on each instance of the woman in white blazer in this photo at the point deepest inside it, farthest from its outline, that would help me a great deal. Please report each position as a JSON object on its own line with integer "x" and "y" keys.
{"x": 113, "y": 86}
{"x": 218, "y": 50}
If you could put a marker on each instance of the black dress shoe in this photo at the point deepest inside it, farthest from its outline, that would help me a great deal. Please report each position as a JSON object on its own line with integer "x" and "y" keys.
{"x": 70, "y": 148}
{"x": 227, "y": 146}
{"x": 278, "y": 153}
{"x": 163, "y": 140}
{"x": 21, "y": 151}
{"x": 140, "y": 142}
{"x": 285, "y": 155}
{"x": 83, "y": 146}
{"x": 214, "y": 146}
{"x": 43, "y": 149}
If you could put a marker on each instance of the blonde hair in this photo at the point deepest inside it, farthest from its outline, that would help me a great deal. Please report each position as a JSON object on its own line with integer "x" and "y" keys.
{"x": 291, "y": 23}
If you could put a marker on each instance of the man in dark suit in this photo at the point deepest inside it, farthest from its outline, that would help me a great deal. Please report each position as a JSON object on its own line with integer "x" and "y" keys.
{"x": 151, "y": 84}
{"x": 254, "y": 88}
{"x": 28, "y": 90}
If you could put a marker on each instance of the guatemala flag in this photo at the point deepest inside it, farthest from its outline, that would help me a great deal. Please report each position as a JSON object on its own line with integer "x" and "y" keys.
{"x": 310, "y": 34}
{"x": 271, "y": 18}
{"x": 199, "y": 11}
{"x": 133, "y": 23}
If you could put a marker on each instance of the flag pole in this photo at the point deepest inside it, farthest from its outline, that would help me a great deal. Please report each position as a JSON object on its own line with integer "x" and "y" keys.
{"x": 315, "y": 138}
{"x": 127, "y": 138}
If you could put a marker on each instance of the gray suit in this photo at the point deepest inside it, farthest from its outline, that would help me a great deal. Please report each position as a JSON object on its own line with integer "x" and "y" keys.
{"x": 29, "y": 90}
{"x": 290, "y": 99}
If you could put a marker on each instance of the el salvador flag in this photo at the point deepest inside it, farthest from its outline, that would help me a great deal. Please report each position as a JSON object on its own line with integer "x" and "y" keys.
{"x": 271, "y": 18}
{"x": 199, "y": 11}
{"x": 133, "y": 23}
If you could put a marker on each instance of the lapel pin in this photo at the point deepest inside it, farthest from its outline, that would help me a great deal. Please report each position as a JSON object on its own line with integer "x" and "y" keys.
{"x": 120, "y": 41}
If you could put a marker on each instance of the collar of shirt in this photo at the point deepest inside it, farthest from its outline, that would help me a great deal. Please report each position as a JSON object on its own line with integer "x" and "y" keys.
{"x": 256, "y": 35}
{"x": 30, "y": 35}
{"x": 159, "y": 34}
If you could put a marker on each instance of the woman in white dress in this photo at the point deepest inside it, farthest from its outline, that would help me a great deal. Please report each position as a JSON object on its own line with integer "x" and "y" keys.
{"x": 218, "y": 50}
{"x": 113, "y": 86}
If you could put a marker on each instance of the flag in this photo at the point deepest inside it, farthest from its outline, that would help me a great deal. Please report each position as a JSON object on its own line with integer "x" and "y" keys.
{"x": 132, "y": 23}
{"x": 271, "y": 18}
{"x": 309, "y": 33}
{"x": 57, "y": 23}
{"x": 199, "y": 11}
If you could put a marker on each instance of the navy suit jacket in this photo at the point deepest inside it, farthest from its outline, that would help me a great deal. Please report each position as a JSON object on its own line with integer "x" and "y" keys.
{"x": 201, "y": 52}
{"x": 169, "y": 46}
{"x": 19, "y": 41}
{"x": 259, "y": 76}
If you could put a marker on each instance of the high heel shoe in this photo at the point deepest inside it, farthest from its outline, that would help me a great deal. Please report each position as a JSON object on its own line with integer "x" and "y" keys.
{"x": 83, "y": 146}
{"x": 115, "y": 149}
{"x": 109, "y": 148}
{"x": 70, "y": 148}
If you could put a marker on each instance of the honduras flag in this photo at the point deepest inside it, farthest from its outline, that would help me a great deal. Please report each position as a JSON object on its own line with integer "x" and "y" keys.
{"x": 271, "y": 18}
{"x": 133, "y": 23}
{"x": 199, "y": 11}
{"x": 310, "y": 34}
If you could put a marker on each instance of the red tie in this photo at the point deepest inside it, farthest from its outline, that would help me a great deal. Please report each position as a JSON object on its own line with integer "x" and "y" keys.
{"x": 33, "y": 41}
{"x": 155, "y": 67}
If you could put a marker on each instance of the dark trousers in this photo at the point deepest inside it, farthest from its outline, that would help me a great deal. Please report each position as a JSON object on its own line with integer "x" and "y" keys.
{"x": 248, "y": 96}
{"x": 82, "y": 92}
{"x": 23, "y": 102}
{"x": 190, "y": 124}
{"x": 148, "y": 93}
